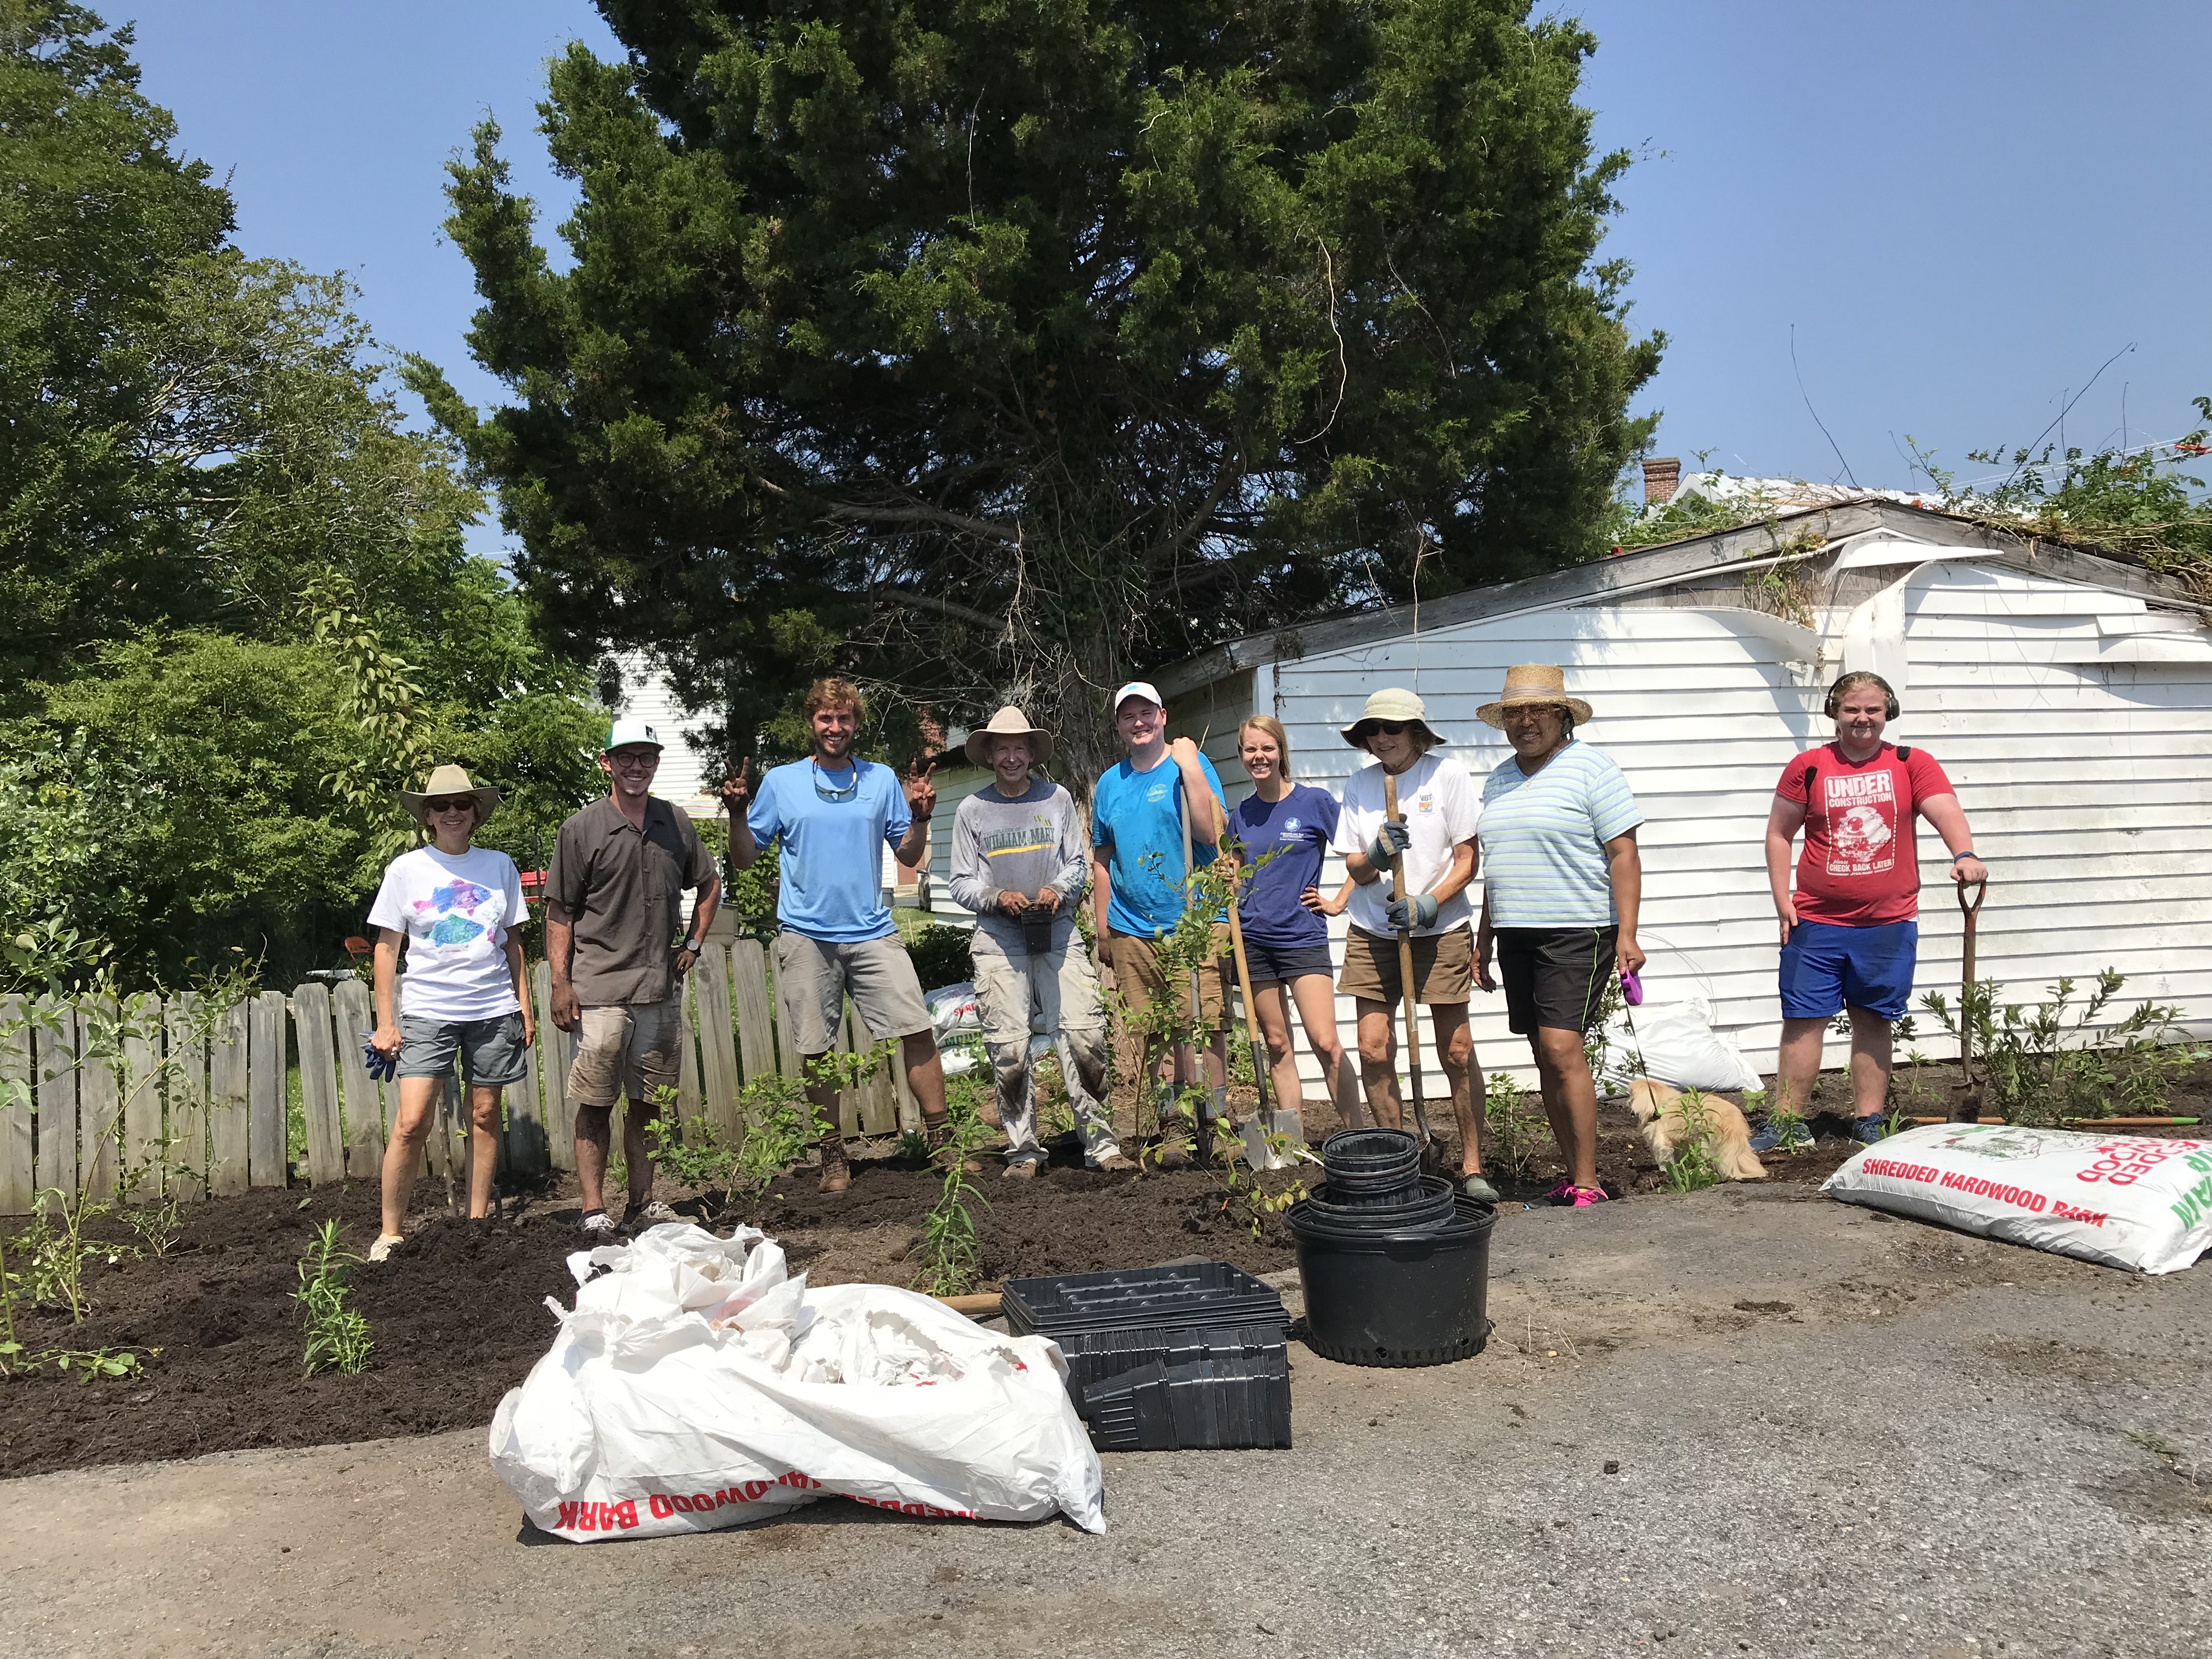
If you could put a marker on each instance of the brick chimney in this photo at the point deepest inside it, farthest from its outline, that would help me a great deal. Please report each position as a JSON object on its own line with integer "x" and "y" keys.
{"x": 1661, "y": 477}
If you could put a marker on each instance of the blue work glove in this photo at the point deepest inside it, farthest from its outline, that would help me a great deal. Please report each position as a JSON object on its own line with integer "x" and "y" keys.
{"x": 1390, "y": 840}
{"x": 381, "y": 1067}
{"x": 1423, "y": 907}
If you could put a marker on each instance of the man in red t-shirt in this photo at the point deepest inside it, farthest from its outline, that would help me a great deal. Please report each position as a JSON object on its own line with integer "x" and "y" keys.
{"x": 1848, "y": 932}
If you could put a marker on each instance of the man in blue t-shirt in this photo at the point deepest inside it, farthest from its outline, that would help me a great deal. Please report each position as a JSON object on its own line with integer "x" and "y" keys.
{"x": 835, "y": 813}
{"x": 1138, "y": 870}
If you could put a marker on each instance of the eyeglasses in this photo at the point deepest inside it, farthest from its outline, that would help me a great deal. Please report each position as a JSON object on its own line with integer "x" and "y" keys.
{"x": 644, "y": 762}
{"x": 845, "y": 794}
{"x": 465, "y": 804}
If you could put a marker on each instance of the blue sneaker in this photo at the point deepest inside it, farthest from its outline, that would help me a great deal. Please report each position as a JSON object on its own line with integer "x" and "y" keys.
{"x": 1784, "y": 1137}
{"x": 1868, "y": 1129}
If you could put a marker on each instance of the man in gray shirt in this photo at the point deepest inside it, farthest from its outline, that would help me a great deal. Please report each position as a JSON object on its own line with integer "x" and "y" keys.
{"x": 1018, "y": 851}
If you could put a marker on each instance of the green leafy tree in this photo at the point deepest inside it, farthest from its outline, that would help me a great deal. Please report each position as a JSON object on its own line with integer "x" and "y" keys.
{"x": 995, "y": 348}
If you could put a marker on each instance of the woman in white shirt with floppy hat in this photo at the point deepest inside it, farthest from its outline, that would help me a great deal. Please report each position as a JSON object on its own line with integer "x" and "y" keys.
{"x": 455, "y": 907}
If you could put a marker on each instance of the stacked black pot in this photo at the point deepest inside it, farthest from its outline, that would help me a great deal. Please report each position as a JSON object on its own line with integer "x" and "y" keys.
{"x": 1395, "y": 1264}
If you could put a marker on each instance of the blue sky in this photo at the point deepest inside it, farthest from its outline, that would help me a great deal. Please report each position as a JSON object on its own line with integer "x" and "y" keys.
{"x": 1963, "y": 209}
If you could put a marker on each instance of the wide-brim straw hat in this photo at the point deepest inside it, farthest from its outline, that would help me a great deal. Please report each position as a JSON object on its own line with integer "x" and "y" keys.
{"x": 1392, "y": 703}
{"x": 448, "y": 781}
{"x": 1009, "y": 722}
{"x": 1539, "y": 682}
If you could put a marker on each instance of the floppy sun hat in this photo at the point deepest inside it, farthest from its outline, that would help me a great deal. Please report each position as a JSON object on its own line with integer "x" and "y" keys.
{"x": 1536, "y": 682}
{"x": 1393, "y": 703}
{"x": 1009, "y": 722}
{"x": 446, "y": 782}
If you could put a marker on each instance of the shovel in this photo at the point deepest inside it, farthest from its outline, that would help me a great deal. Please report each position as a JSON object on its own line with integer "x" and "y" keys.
{"x": 1264, "y": 1121}
{"x": 1202, "y": 1135}
{"x": 1966, "y": 1105}
{"x": 1405, "y": 966}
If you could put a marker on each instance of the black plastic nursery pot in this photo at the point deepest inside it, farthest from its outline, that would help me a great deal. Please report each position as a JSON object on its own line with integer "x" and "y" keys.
{"x": 1427, "y": 1202}
{"x": 1399, "y": 1296}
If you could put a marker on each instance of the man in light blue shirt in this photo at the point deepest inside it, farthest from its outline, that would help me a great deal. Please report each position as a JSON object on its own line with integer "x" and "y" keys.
{"x": 835, "y": 813}
{"x": 1138, "y": 870}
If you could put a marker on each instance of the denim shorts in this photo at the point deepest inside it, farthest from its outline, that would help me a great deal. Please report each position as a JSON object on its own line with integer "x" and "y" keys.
{"x": 1827, "y": 968}
{"x": 1273, "y": 964}
{"x": 491, "y": 1050}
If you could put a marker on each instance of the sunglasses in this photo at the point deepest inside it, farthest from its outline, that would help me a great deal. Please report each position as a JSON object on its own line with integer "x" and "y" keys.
{"x": 464, "y": 803}
{"x": 844, "y": 794}
{"x": 1390, "y": 728}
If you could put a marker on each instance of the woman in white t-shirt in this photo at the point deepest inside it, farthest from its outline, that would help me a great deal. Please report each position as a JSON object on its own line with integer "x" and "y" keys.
{"x": 1433, "y": 838}
{"x": 455, "y": 907}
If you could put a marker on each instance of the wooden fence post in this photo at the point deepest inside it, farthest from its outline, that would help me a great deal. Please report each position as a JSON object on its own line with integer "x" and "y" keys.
{"x": 98, "y": 1099}
{"x": 560, "y": 1114}
{"x": 749, "y": 990}
{"x": 525, "y": 1147}
{"x": 187, "y": 1077}
{"x": 142, "y": 1106}
{"x": 267, "y": 1153}
{"x": 18, "y": 1163}
{"x": 318, "y": 1084}
{"x": 228, "y": 1068}
{"x": 54, "y": 1050}
{"x": 717, "y": 1040}
{"x": 690, "y": 1097}
{"x": 362, "y": 1105}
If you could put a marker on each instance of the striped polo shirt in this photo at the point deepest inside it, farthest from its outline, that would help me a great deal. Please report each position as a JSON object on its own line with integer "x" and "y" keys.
{"x": 1543, "y": 839}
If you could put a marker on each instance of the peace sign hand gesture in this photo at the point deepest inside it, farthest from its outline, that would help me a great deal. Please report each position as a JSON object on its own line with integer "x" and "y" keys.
{"x": 735, "y": 791}
{"x": 921, "y": 793}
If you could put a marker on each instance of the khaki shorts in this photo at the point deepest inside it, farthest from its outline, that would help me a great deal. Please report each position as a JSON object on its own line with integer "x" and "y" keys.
{"x": 1444, "y": 968}
{"x": 1137, "y": 976}
{"x": 814, "y": 976}
{"x": 627, "y": 1049}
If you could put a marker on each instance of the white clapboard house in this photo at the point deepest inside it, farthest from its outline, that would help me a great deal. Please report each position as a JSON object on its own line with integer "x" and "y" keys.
{"x": 2068, "y": 695}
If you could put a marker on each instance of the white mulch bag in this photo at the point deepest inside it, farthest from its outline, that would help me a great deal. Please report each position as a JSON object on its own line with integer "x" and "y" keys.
{"x": 2139, "y": 1204}
{"x": 1677, "y": 1044}
{"x": 697, "y": 1386}
{"x": 957, "y": 1019}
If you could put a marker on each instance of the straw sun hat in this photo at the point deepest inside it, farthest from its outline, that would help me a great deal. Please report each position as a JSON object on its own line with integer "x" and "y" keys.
{"x": 1009, "y": 722}
{"x": 446, "y": 782}
{"x": 1391, "y": 704}
{"x": 1538, "y": 682}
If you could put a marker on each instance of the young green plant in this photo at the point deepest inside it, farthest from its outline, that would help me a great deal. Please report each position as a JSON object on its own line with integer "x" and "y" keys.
{"x": 338, "y": 1337}
{"x": 952, "y": 1252}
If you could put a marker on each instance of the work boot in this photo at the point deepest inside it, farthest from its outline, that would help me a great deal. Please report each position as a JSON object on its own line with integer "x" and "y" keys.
{"x": 1168, "y": 1150}
{"x": 1021, "y": 1168}
{"x": 836, "y": 1174}
{"x": 937, "y": 1136}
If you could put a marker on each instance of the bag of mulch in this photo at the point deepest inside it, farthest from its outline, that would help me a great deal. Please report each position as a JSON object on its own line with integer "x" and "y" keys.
{"x": 2139, "y": 1204}
{"x": 1674, "y": 1043}
{"x": 697, "y": 1385}
{"x": 957, "y": 1019}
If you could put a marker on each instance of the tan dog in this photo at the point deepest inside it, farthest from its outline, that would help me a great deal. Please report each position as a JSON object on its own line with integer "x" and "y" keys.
{"x": 1658, "y": 1107}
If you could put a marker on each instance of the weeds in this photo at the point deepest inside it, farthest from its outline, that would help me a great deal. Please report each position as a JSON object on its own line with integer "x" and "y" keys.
{"x": 1695, "y": 1165}
{"x": 1513, "y": 1131}
{"x": 337, "y": 1336}
{"x": 89, "y": 1363}
{"x": 776, "y": 1127}
{"x": 951, "y": 1253}
{"x": 2043, "y": 1064}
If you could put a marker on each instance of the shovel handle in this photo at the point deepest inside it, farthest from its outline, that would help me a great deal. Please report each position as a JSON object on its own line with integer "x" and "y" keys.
{"x": 1981, "y": 892}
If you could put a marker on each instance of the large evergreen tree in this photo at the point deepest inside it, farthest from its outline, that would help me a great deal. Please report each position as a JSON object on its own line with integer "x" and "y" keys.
{"x": 995, "y": 347}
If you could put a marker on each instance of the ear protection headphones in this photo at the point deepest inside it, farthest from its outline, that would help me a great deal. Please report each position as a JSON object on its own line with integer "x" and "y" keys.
{"x": 1860, "y": 676}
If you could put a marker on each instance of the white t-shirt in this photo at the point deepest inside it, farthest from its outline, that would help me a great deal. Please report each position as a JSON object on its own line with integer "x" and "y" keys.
{"x": 1441, "y": 806}
{"x": 455, "y": 913}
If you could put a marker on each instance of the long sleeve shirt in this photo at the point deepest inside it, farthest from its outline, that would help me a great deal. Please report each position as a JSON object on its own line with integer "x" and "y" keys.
{"x": 1019, "y": 844}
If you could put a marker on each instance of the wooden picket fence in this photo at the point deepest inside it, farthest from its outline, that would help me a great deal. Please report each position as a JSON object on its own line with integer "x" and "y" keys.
{"x": 222, "y": 1104}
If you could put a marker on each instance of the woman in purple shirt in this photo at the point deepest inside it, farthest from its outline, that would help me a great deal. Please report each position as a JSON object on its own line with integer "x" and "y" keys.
{"x": 1286, "y": 940}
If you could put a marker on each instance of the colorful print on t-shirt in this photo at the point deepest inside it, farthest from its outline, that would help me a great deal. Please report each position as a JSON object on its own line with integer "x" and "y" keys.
{"x": 453, "y": 904}
{"x": 1861, "y": 866}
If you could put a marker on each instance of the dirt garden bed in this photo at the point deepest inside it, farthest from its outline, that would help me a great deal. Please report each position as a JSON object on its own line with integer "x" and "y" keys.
{"x": 458, "y": 1315}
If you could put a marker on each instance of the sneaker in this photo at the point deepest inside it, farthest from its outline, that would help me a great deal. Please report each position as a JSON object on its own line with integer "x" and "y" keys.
{"x": 1477, "y": 1188}
{"x": 598, "y": 1226}
{"x": 385, "y": 1245}
{"x": 1557, "y": 1191}
{"x": 1581, "y": 1198}
{"x": 651, "y": 1213}
{"x": 1020, "y": 1168}
{"x": 1785, "y": 1138}
{"x": 1867, "y": 1130}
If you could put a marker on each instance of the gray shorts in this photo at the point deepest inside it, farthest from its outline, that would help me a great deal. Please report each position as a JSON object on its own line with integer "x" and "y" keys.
{"x": 491, "y": 1050}
{"x": 627, "y": 1049}
{"x": 814, "y": 976}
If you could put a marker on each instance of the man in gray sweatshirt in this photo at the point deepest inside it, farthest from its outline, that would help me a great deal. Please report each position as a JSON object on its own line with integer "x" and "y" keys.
{"x": 1018, "y": 851}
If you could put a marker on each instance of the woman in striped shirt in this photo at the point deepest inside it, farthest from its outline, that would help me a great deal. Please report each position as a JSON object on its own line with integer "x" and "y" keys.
{"x": 1562, "y": 883}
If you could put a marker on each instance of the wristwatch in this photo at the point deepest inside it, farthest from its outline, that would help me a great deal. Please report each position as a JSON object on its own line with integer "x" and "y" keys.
{"x": 691, "y": 945}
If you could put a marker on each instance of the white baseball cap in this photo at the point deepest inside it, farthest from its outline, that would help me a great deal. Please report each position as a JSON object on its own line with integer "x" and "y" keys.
{"x": 627, "y": 732}
{"x": 1144, "y": 688}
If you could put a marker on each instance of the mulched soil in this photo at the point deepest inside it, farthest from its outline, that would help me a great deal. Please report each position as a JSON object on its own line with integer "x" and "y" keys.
{"x": 458, "y": 1317}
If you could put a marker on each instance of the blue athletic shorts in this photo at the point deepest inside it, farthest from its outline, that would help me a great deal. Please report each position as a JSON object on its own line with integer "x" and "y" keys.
{"x": 1827, "y": 968}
